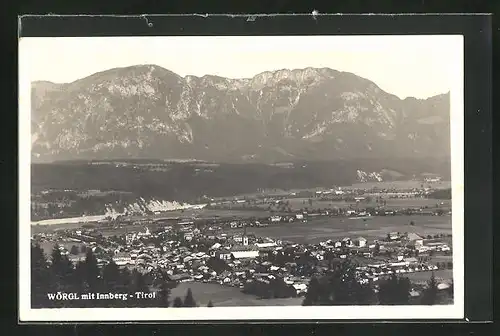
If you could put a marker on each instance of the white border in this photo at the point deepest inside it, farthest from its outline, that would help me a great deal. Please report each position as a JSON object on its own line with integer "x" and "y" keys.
{"x": 455, "y": 311}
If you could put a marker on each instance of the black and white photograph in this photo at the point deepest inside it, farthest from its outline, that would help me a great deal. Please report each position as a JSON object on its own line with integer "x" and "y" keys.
{"x": 241, "y": 177}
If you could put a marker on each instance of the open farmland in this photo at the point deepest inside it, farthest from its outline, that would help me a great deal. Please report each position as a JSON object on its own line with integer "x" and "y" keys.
{"x": 391, "y": 203}
{"x": 400, "y": 185}
{"x": 399, "y": 203}
{"x": 211, "y": 213}
{"x": 323, "y": 229}
{"x": 227, "y": 296}
{"x": 300, "y": 203}
{"x": 392, "y": 185}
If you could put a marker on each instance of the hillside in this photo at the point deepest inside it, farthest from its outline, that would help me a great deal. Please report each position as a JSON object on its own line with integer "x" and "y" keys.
{"x": 189, "y": 181}
{"x": 149, "y": 112}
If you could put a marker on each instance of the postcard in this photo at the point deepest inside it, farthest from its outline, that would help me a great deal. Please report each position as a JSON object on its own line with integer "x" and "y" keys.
{"x": 241, "y": 178}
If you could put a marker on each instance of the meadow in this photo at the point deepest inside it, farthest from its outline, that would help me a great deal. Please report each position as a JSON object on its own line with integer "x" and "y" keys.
{"x": 317, "y": 230}
{"x": 400, "y": 185}
{"x": 422, "y": 277}
{"x": 391, "y": 203}
{"x": 227, "y": 296}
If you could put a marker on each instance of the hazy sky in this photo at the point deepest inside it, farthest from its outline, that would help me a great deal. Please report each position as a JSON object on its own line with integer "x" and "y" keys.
{"x": 418, "y": 66}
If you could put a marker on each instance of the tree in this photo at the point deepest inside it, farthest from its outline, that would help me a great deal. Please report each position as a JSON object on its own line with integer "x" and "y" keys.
{"x": 164, "y": 290}
{"x": 125, "y": 279}
{"x": 189, "y": 300}
{"x": 138, "y": 284}
{"x": 91, "y": 271}
{"x": 111, "y": 276}
{"x": 61, "y": 270}
{"x": 210, "y": 304}
{"x": 74, "y": 250}
{"x": 280, "y": 289}
{"x": 40, "y": 280}
{"x": 429, "y": 295}
{"x": 394, "y": 291}
{"x": 83, "y": 249}
{"x": 217, "y": 264}
{"x": 340, "y": 287}
{"x": 449, "y": 290}
{"x": 346, "y": 288}
{"x": 178, "y": 302}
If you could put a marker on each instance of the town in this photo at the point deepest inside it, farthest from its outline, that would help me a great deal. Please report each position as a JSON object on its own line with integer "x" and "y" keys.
{"x": 223, "y": 252}
{"x": 271, "y": 244}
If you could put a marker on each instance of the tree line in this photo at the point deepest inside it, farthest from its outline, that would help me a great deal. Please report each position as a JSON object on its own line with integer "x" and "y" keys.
{"x": 341, "y": 287}
{"x": 183, "y": 183}
{"x": 57, "y": 283}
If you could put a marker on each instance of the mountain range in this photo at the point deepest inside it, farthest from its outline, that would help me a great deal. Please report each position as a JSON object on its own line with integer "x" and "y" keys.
{"x": 148, "y": 112}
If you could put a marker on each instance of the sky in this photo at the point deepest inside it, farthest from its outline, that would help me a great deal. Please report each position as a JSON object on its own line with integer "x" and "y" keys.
{"x": 407, "y": 66}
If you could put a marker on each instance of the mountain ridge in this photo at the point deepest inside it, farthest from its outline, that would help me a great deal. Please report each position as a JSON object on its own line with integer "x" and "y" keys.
{"x": 147, "y": 111}
{"x": 36, "y": 82}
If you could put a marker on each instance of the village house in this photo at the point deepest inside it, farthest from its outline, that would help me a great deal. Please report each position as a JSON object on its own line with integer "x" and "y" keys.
{"x": 393, "y": 236}
{"x": 266, "y": 245}
{"x": 275, "y": 219}
{"x": 122, "y": 259}
{"x": 415, "y": 239}
{"x": 147, "y": 233}
{"x": 224, "y": 255}
{"x": 347, "y": 242}
{"x": 77, "y": 258}
{"x": 361, "y": 242}
{"x": 242, "y": 252}
{"x": 301, "y": 288}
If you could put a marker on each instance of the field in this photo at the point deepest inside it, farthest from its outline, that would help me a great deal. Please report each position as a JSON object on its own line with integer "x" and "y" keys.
{"x": 318, "y": 230}
{"x": 420, "y": 277}
{"x": 416, "y": 202}
{"x": 391, "y": 203}
{"x": 400, "y": 185}
{"x": 211, "y": 213}
{"x": 226, "y": 296}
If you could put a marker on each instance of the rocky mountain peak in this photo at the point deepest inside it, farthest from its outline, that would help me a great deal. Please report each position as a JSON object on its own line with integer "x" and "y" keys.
{"x": 312, "y": 113}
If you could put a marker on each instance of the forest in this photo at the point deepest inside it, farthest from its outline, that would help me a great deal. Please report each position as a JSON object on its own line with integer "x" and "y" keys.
{"x": 188, "y": 181}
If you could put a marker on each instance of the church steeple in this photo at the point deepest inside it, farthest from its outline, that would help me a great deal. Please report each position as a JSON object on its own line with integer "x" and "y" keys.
{"x": 245, "y": 237}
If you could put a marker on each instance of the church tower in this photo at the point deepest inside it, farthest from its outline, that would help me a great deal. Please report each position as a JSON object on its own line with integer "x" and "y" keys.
{"x": 245, "y": 237}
